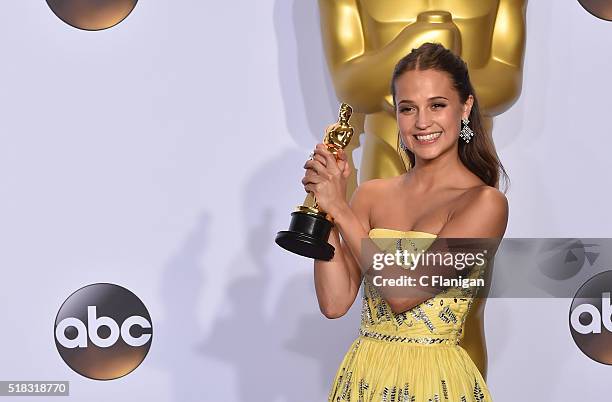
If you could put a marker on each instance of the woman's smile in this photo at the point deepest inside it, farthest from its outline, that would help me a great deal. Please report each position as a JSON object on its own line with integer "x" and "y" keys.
{"x": 427, "y": 138}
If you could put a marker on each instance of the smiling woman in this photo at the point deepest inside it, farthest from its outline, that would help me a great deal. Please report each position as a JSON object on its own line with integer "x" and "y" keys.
{"x": 444, "y": 107}
{"x": 409, "y": 344}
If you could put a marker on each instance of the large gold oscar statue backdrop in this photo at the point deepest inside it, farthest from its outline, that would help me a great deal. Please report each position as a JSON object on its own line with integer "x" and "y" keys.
{"x": 364, "y": 39}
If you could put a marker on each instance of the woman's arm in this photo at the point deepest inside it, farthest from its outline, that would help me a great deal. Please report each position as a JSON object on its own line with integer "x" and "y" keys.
{"x": 337, "y": 281}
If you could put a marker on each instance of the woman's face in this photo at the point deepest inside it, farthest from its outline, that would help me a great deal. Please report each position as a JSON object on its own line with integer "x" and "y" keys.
{"x": 429, "y": 112}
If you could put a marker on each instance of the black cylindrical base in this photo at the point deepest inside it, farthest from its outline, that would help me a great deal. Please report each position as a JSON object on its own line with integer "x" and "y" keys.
{"x": 307, "y": 236}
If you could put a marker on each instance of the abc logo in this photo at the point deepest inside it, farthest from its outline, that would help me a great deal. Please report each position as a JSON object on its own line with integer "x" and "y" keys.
{"x": 103, "y": 331}
{"x": 590, "y": 318}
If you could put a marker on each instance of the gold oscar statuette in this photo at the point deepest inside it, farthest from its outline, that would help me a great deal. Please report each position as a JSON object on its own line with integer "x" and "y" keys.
{"x": 310, "y": 226}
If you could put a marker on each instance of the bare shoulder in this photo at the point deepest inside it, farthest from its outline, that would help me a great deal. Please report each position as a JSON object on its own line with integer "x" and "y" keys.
{"x": 481, "y": 211}
{"x": 485, "y": 201}
{"x": 485, "y": 196}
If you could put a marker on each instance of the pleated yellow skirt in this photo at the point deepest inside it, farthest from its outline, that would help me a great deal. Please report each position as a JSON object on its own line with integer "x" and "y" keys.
{"x": 387, "y": 371}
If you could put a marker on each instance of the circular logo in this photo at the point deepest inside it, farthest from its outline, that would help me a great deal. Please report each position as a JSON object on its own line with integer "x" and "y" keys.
{"x": 103, "y": 331}
{"x": 590, "y": 318}
{"x": 92, "y": 15}
{"x": 599, "y": 8}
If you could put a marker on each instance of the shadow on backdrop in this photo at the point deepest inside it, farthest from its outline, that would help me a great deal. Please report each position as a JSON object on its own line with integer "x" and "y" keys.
{"x": 182, "y": 285}
{"x": 307, "y": 91}
{"x": 274, "y": 336}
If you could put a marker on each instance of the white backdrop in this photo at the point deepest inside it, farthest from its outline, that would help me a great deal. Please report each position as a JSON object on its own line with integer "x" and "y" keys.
{"x": 165, "y": 153}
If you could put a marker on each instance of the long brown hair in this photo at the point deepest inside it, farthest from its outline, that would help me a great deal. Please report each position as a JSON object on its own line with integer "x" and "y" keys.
{"x": 479, "y": 155}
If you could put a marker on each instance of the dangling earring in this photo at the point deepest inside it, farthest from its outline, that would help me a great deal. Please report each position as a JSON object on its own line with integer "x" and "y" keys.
{"x": 402, "y": 146}
{"x": 466, "y": 132}
{"x": 404, "y": 153}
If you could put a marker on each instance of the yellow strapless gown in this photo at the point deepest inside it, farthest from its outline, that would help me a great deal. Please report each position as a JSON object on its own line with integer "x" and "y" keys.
{"x": 414, "y": 356}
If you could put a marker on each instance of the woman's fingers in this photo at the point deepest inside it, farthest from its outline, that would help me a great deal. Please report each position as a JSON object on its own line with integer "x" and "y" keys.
{"x": 330, "y": 160}
{"x": 321, "y": 159}
{"x": 344, "y": 165}
{"x": 315, "y": 165}
{"x": 312, "y": 178}
{"x": 324, "y": 168}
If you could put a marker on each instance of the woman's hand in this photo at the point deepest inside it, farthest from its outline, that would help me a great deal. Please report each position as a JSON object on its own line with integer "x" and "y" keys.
{"x": 327, "y": 178}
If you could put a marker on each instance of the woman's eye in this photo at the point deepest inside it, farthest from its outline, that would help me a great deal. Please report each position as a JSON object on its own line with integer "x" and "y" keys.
{"x": 406, "y": 109}
{"x": 438, "y": 105}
